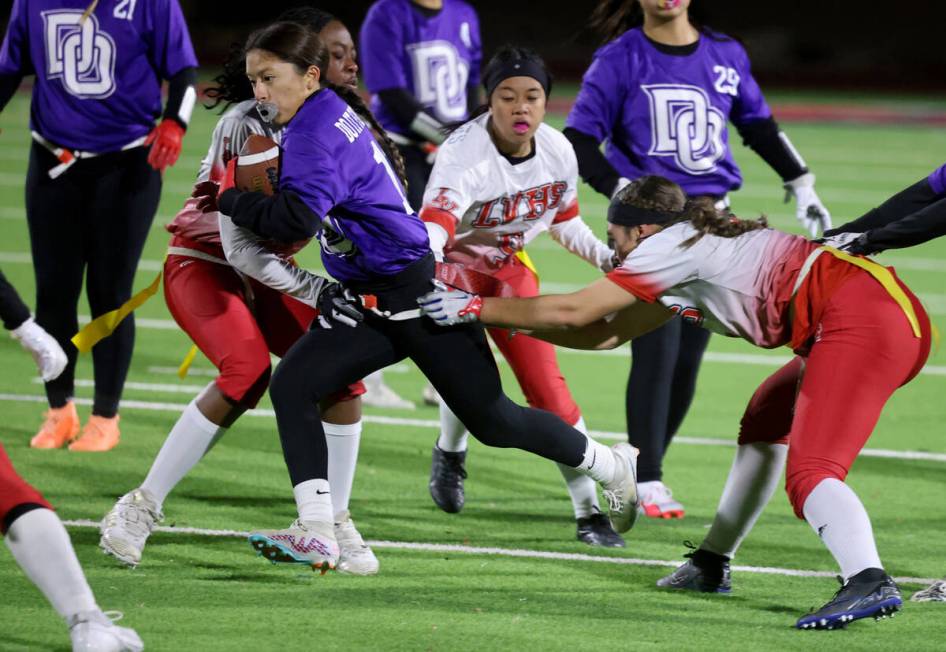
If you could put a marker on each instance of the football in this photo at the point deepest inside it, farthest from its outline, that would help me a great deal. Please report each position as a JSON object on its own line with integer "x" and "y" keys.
{"x": 257, "y": 168}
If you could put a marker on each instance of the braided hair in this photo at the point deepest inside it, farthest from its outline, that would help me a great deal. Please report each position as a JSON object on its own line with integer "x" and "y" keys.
{"x": 657, "y": 193}
{"x": 232, "y": 86}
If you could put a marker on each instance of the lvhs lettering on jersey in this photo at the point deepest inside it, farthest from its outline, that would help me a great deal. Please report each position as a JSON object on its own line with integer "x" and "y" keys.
{"x": 524, "y": 206}
{"x": 98, "y": 80}
{"x": 668, "y": 114}
{"x": 435, "y": 57}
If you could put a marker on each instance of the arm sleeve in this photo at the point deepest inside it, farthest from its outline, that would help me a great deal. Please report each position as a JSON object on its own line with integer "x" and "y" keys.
{"x": 244, "y": 251}
{"x": 772, "y": 145}
{"x": 283, "y": 217}
{"x": 906, "y": 202}
{"x": 169, "y": 42}
{"x": 594, "y": 168}
{"x": 411, "y": 114}
{"x": 578, "y": 238}
{"x": 228, "y": 137}
{"x": 182, "y": 94}
{"x": 919, "y": 227}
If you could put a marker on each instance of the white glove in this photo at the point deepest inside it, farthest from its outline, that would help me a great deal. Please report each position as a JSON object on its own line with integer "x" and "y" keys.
{"x": 48, "y": 355}
{"x": 622, "y": 182}
{"x": 449, "y": 306}
{"x": 840, "y": 241}
{"x": 808, "y": 208}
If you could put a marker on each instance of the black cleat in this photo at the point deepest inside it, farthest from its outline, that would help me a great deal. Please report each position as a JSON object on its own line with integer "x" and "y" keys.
{"x": 446, "y": 480}
{"x": 705, "y": 572}
{"x": 869, "y": 593}
{"x": 596, "y": 530}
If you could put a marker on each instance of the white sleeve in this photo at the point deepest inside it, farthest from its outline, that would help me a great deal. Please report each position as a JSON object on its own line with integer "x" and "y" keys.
{"x": 243, "y": 250}
{"x": 578, "y": 238}
{"x": 438, "y": 237}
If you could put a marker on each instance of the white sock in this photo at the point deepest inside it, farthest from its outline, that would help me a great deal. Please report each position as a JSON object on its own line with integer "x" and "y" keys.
{"x": 835, "y": 512}
{"x": 342, "y": 442}
{"x": 189, "y": 440}
{"x": 314, "y": 501}
{"x": 453, "y": 434}
{"x": 598, "y": 462}
{"x": 752, "y": 480}
{"x": 581, "y": 488}
{"x": 42, "y": 548}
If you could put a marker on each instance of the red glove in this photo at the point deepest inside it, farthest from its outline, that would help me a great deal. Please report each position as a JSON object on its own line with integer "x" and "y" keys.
{"x": 165, "y": 141}
{"x": 206, "y": 193}
{"x": 229, "y": 176}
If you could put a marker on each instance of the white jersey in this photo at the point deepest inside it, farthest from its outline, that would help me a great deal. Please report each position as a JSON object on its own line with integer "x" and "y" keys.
{"x": 490, "y": 207}
{"x": 740, "y": 287}
{"x": 238, "y": 123}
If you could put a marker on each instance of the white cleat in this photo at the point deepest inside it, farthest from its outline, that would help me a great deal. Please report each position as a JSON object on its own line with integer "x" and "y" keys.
{"x": 304, "y": 542}
{"x": 50, "y": 359}
{"x": 354, "y": 555}
{"x": 93, "y": 631}
{"x": 621, "y": 492}
{"x": 657, "y": 501}
{"x": 935, "y": 592}
{"x": 125, "y": 529}
{"x": 383, "y": 396}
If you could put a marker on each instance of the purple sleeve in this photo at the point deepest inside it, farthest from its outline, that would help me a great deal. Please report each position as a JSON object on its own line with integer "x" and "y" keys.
{"x": 598, "y": 105}
{"x": 937, "y": 180}
{"x": 309, "y": 170}
{"x": 381, "y": 52}
{"x": 750, "y": 104}
{"x": 15, "y": 53}
{"x": 171, "y": 47}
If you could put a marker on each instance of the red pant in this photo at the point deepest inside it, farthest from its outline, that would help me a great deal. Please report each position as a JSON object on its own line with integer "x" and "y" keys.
{"x": 14, "y": 491}
{"x": 236, "y": 324}
{"x": 533, "y": 361}
{"x": 826, "y": 405}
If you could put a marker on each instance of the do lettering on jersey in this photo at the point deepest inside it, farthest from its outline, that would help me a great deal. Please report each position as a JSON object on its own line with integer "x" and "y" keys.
{"x": 440, "y": 77}
{"x": 686, "y": 126}
{"x": 79, "y": 53}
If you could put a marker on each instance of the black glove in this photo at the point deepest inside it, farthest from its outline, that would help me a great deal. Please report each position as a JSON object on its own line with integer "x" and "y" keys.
{"x": 338, "y": 304}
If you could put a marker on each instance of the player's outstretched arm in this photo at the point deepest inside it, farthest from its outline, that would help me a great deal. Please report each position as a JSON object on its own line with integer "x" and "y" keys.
{"x": 612, "y": 331}
{"x": 558, "y": 311}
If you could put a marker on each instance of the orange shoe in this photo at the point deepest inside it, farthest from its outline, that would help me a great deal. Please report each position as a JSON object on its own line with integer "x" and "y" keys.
{"x": 100, "y": 434}
{"x": 60, "y": 427}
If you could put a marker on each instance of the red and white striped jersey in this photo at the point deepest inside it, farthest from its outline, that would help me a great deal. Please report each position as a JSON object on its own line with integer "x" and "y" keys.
{"x": 490, "y": 207}
{"x": 739, "y": 287}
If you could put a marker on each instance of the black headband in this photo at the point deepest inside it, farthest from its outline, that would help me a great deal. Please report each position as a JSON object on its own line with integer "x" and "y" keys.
{"x": 627, "y": 215}
{"x": 516, "y": 68}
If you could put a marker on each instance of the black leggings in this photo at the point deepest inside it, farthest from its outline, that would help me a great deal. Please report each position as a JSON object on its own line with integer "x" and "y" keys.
{"x": 457, "y": 361}
{"x": 93, "y": 221}
{"x": 13, "y": 311}
{"x": 660, "y": 388}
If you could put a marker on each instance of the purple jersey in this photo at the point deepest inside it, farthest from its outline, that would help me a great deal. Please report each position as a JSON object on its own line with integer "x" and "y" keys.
{"x": 666, "y": 114}
{"x": 937, "y": 180}
{"x": 435, "y": 58}
{"x": 332, "y": 161}
{"x": 98, "y": 81}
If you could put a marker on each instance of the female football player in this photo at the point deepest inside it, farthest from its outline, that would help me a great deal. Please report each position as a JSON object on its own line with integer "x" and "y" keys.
{"x": 661, "y": 92}
{"x": 237, "y": 321}
{"x": 856, "y": 330}
{"x": 339, "y": 182}
{"x": 499, "y": 181}
{"x": 93, "y": 182}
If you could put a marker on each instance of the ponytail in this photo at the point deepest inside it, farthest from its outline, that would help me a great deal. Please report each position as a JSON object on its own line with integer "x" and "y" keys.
{"x": 703, "y": 216}
{"x": 611, "y": 18}
{"x": 353, "y": 99}
{"x": 232, "y": 86}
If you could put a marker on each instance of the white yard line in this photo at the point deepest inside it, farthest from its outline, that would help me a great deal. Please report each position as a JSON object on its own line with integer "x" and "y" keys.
{"x": 513, "y": 552}
{"x": 177, "y": 408}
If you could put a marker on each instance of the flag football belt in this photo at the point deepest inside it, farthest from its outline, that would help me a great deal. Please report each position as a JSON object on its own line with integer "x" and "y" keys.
{"x": 68, "y": 157}
{"x": 880, "y": 273}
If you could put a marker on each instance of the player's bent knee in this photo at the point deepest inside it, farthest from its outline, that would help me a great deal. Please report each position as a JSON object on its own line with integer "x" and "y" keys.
{"x": 799, "y": 485}
{"x": 245, "y": 380}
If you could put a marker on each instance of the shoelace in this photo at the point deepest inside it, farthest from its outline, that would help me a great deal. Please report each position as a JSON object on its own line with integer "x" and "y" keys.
{"x": 143, "y": 522}
{"x": 614, "y": 500}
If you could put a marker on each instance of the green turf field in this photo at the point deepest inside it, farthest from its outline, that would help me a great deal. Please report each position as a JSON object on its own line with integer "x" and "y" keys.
{"x": 199, "y": 592}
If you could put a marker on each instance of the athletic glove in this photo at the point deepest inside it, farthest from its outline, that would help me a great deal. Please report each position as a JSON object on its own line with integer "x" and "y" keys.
{"x": 165, "y": 141}
{"x": 450, "y": 306}
{"x": 338, "y": 304}
{"x": 206, "y": 193}
{"x": 808, "y": 208}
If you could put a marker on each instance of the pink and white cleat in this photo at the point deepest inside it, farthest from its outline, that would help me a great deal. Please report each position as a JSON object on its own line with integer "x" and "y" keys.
{"x": 657, "y": 501}
{"x": 304, "y": 542}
